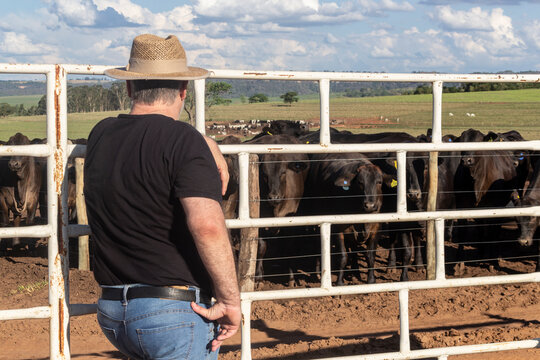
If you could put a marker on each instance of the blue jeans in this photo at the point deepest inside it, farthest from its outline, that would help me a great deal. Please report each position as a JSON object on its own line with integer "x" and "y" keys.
{"x": 149, "y": 328}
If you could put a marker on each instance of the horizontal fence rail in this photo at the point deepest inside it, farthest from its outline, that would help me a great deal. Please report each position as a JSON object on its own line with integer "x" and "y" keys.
{"x": 57, "y": 151}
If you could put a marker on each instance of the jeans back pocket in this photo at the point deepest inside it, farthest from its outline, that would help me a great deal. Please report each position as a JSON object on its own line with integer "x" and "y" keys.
{"x": 167, "y": 342}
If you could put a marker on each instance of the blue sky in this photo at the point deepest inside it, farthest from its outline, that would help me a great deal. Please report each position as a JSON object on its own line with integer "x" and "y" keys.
{"x": 397, "y": 36}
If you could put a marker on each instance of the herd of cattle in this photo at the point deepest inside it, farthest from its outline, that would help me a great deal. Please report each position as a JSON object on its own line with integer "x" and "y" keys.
{"x": 354, "y": 183}
{"x": 324, "y": 184}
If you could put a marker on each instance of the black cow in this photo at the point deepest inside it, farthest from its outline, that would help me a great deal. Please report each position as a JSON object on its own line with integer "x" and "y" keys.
{"x": 19, "y": 190}
{"x": 406, "y": 235}
{"x": 230, "y": 199}
{"x": 494, "y": 179}
{"x": 284, "y": 127}
{"x": 345, "y": 184}
{"x": 464, "y": 189}
{"x": 281, "y": 183}
{"x": 528, "y": 225}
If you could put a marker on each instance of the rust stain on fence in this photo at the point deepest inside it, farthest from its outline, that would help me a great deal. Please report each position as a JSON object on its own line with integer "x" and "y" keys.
{"x": 255, "y": 73}
{"x": 61, "y": 334}
{"x": 57, "y": 91}
{"x": 61, "y": 249}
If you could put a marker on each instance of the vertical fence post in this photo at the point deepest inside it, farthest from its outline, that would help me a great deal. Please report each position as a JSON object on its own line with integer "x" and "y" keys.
{"x": 433, "y": 180}
{"x": 57, "y": 210}
{"x": 246, "y": 330}
{"x": 84, "y": 252}
{"x": 439, "y": 240}
{"x": 326, "y": 262}
{"x": 404, "y": 335}
{"x": 199, "y": 86}
{"x": 401, "y": 182}
{"x": 249, "y": 191}
{"x": 324, "y": 94}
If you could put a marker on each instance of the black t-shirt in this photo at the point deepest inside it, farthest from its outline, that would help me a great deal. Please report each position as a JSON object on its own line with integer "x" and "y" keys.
{"x": 136, "y": 168}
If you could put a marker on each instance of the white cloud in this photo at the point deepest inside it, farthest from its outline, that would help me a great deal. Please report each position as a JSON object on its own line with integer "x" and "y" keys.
{"x": 331, "y": 39}
{"x": 19, "y": 44}
{"x": 413, "y": 30}
{"x": 410, "y": 50}
{"x": 532, "y": 32}
{"x": 253, "y": 10}
{"x": 283, "y": 12}
{"x": 75, "y": 12}
{"x": 475, "y": 19}
{"x": 489, "y": 31}
{"x": 378, "y": 8}
{"x": 468, "y": 44}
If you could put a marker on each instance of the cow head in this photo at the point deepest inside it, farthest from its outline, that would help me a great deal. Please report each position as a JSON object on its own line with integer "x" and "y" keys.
{"x": 366, "y": 182}
{"x": 288, "y": 127}
{"x": 282, "y": 180}
{"x": 19, "y": 164}
{"x": 527, "y": 226}
{"x": 468, "y": 157}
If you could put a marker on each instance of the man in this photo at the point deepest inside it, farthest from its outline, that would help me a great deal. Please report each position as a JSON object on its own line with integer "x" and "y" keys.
{"x": 153, "y": 192}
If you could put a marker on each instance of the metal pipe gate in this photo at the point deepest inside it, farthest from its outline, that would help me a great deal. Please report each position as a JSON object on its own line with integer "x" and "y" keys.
{"x": 57, "y": 230}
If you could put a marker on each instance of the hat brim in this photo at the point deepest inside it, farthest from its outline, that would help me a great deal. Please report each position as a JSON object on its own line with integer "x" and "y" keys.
{"x": 193, "y": 73}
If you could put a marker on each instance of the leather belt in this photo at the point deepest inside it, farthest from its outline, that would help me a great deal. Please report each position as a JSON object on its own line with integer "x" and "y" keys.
{"x": 162, "y": 292}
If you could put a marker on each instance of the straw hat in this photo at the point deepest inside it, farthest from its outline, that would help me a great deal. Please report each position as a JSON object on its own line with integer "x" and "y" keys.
{"x": 153, "y": 57}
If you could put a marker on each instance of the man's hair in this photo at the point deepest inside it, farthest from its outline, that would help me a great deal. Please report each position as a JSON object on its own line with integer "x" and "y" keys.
{"x": 151, "y": 91}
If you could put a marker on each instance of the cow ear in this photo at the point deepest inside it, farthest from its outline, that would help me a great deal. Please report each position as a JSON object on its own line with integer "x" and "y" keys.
{"x": 344, "y": 181}
{"x": 389, "y": 180}
{"x": 297, "y": 166}
{"x": 491, "y": 136}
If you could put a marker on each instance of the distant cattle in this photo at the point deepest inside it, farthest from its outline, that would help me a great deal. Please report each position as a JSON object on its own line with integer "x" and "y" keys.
{"x": 19, "y": 188}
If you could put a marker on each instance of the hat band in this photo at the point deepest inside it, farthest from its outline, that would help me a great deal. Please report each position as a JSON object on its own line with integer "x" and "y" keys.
{"x": 157, "y": 66}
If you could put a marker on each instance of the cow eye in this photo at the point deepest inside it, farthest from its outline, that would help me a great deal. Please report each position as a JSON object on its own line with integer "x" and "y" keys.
{"x": 297, "y": 166}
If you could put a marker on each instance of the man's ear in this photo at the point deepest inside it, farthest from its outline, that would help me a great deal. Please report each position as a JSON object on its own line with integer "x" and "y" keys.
{"x": 183, "y": 94}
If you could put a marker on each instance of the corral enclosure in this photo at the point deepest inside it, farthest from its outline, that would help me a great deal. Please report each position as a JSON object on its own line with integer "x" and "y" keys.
{"x": 372, "y": 115}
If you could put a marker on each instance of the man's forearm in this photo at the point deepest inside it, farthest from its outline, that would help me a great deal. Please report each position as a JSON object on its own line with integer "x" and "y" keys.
{"x": 207, "y": 225}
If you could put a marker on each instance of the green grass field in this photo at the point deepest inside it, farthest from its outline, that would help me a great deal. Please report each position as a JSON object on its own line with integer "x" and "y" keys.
{"x": 26, "y": 100}
{"x": 498, "y": 111}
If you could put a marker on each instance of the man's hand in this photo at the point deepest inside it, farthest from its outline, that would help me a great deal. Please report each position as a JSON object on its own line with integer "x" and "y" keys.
{"x": 220, "y": 162}
{"x": 228, "y": 317}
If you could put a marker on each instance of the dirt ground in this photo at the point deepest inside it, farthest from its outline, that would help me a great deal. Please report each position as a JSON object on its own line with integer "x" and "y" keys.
{"x": 302, "y": 329}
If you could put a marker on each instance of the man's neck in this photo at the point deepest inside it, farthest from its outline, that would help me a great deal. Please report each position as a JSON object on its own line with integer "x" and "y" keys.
{"x": 159, "y": 108}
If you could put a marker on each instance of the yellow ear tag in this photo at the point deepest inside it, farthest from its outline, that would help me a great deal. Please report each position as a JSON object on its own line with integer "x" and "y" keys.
{"x": 307, "y": 142}
{"x": 490, "y": 140}
{"x": 269, "y": 133}
{"x": 393, "y": 183}
{"x": 395, "y": 164}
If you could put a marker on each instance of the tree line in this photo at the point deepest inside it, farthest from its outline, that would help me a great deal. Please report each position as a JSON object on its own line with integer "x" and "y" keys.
{"x": 79, "y": 99}
{"x": 97, "y": 98}
{"x": 473, "y": 87}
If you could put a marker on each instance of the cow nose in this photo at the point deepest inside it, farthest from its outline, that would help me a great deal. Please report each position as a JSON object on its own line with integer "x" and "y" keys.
{"x": 273, "y": 197}
{"x": 15, "y": 164}
{"x": 369, "y": 206}
{"x": 525, "y": 242}
{"x": 469, "y": 161}
{"x": 414, "y": 194}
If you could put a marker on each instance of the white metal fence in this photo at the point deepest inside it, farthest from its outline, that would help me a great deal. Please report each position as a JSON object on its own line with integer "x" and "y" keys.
{"x": 57, "y": 230}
